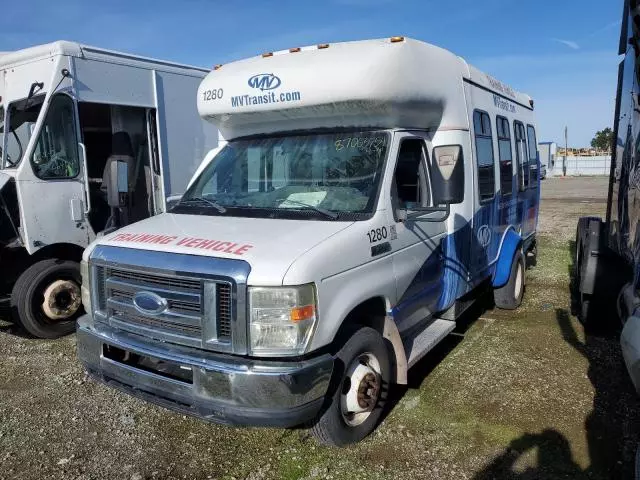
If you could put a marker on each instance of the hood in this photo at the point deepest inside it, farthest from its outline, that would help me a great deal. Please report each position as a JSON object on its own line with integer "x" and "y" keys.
{"x": 270, "y": 246}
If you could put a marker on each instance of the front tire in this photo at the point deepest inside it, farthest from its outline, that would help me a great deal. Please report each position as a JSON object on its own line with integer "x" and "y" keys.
{"x": 510, "y": 296}
{"x": 46, "y": 299}
{"x": 360, "y": 393}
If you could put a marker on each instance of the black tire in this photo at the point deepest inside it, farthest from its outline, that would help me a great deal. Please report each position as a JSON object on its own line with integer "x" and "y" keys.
{"x": 506, "y": 297}
{"x": 331, "y": 427}
{"x": 27, "y": 298}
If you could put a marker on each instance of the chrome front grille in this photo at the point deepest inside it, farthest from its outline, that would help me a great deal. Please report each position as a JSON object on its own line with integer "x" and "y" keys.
{"x": 183, "y": 321}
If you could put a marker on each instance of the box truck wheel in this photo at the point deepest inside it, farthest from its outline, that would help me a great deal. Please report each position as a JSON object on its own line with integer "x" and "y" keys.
{"x": 46, "y": 298}
{"x": 363, "y": 370}
{"x": 510, "y": 296}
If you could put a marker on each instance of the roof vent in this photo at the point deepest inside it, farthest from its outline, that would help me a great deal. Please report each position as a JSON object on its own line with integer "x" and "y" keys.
{"x": 396, "y": 39}
{"x": 267, "y": 54}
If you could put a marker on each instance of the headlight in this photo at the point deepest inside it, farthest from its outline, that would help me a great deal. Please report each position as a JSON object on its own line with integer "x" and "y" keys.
{"x": 281, "y": 319}
{"x": 85, "y": 290}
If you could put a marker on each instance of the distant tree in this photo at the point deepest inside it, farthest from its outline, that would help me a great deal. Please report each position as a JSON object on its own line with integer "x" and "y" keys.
{"x": 603, "y": 140}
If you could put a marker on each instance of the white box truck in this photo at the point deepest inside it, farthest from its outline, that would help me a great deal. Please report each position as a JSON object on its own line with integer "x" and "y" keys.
{"x": 367, "y": 193}
{"x": 68, "y": 114}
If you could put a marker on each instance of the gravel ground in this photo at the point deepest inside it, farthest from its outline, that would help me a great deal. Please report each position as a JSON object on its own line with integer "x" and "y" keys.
{"x": 522, "y": 394}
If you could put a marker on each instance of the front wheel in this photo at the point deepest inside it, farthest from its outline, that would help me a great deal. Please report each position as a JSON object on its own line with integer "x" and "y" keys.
{"x": 46, "y": 299}
{"x": 361, "y": 391}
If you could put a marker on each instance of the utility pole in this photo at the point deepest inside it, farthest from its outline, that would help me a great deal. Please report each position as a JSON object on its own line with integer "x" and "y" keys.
{"x": 566, "y": 152}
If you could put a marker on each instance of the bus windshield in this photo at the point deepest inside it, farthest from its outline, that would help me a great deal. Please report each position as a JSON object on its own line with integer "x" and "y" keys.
{"x": 22, "y": 115}
{"x": 313, "y": 176}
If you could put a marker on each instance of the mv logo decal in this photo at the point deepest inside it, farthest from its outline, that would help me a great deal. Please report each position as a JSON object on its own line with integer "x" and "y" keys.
{"x": 264, "y": 81}
{"x": 484, "y": 235}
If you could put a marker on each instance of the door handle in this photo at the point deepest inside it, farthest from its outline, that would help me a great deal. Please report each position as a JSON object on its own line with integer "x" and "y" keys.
{"x": 87, "y": 199}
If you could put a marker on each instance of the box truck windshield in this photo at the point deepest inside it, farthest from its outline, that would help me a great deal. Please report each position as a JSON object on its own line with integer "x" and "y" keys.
{"x": 22, "y": 115}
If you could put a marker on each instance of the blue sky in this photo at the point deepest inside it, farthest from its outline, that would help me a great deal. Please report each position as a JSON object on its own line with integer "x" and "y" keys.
{"x": 561, "y": 52}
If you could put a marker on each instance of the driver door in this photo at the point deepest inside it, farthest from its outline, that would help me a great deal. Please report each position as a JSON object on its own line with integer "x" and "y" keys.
{"x": 415, "y": 243}
{"x": 50, "y": 183}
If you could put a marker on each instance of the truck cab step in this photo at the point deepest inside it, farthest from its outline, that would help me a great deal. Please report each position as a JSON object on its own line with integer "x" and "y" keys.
{"x": 419, "y": 345}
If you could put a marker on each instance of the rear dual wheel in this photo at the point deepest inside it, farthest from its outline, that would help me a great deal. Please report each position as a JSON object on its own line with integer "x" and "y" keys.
{"x": 509, "y": 297}
{"x": 46, "y": 299}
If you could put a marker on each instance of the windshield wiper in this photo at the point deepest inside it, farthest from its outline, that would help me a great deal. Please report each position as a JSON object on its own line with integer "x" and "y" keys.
{"x": 327, "y": 213}
{"x": 210, "y": 203}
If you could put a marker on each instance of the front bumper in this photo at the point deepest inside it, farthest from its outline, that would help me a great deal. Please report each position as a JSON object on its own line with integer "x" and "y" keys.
{"x": 223, "y": 388}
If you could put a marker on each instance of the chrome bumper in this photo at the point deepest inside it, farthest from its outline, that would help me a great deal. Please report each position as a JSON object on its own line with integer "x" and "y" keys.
{"x": 223, "y": 388}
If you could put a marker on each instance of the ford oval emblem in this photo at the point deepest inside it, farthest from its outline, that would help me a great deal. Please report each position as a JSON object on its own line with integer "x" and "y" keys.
{"x": 264, "y": 81}
{"x": 150, "y": 303}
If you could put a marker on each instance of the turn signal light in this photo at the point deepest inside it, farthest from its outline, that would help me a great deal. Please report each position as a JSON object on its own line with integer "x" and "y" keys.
{"x": 302, "y": 313}
{"x": 397, "y": 39}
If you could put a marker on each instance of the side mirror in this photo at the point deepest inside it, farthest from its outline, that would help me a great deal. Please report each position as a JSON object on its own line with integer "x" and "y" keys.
{"x": 118, "y": 187}
{"x": 447, "y": 175}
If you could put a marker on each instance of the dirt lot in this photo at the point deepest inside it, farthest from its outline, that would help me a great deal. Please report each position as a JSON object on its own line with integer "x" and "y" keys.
{"x": 522, "y": 394}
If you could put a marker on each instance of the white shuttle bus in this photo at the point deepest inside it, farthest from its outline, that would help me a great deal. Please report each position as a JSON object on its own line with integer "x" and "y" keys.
{"x": 367, "y": 193}
{"x": 67, "y": 113}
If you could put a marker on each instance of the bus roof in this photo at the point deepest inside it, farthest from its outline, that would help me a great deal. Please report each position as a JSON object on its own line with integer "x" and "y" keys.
{"x": 74, "y": 49}
{"x": 383, "y": 83}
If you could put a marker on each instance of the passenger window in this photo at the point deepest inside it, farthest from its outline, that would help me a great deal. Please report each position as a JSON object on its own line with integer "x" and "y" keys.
{"x": 484, "y": 154}
{"x": 522, "y": 156}
{"x": 56, "y": 152}
{"x": 410, "y": 182}
{"x": 505, "y": 155}
{"x": 533, "y": 156}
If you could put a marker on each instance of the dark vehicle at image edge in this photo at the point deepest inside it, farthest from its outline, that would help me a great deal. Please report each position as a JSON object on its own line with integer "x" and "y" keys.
{"x": 607, "y": 251}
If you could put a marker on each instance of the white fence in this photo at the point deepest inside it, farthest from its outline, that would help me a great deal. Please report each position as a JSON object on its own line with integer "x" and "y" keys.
{"x": 578, "y": 166}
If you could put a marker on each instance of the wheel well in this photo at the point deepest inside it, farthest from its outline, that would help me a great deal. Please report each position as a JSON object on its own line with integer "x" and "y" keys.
{"x": 63, "y": 251}
{"x": 373, "y": 313}
{"x": 370, "y": 313}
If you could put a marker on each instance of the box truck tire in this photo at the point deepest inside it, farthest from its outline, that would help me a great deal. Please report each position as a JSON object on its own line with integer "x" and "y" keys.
{"x": 46, "y": 298}
{"x": 363, "y": 374}
{"x": 510, "y": 296}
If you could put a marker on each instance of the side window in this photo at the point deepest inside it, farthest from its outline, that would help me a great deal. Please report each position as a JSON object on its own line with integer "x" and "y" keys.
{"x": 56, "y": 152}
{"x": 411, "y": 186}
{"x": 522, "y": 155}
{"x": 533, "y": 156}
{"x": 506, "y": 155}
{"x": 484, "y": 154}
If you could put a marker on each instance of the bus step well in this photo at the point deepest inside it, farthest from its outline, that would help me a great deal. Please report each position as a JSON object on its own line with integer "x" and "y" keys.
{"x": 418, "y": 346}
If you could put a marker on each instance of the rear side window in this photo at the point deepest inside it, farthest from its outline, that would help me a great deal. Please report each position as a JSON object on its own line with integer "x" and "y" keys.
{"x": 522, "y": 155}
{"x": 484, "y": 154}
{"x": 533, "y": 156}
{"x": 506, "y": 155}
